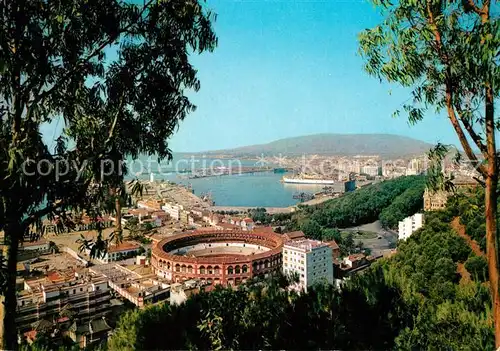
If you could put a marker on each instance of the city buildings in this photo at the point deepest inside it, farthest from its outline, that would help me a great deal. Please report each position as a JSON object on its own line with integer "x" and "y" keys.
{"x": 311, "y": 260}
{"x": 409, "y": 225}
{"x": 66, "y": 302}
{"x": 174, "y": 210}
{"x": 139, "y": 289}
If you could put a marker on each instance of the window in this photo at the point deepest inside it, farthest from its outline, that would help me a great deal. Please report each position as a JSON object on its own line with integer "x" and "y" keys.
{"x": 97, "y": 288}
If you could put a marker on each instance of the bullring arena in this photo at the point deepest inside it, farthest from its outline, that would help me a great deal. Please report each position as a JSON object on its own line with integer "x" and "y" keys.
{"x": 217, "y": 257}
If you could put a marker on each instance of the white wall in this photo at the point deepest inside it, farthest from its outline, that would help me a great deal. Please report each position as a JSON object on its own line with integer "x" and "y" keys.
{"x": 409, "y": 225}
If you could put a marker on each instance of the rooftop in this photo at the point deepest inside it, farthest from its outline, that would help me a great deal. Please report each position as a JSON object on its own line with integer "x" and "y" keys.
{"x": 333, "y": 244}
{"x": 34, "y": 243}
{"x": 295, "y": 235}
{"x": 305, "y": 244}
{"x": 355, "y": 257}
{"x": 124, "y": 246}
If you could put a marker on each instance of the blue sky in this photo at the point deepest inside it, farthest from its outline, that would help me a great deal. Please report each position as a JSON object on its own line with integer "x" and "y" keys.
{"x": 290, "y": 68}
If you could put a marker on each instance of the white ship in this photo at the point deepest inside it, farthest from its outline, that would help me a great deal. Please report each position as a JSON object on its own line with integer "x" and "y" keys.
{"x": 303, "y": 179}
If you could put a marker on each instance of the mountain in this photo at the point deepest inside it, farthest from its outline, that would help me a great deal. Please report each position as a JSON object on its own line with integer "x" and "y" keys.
{"x": 386, "y": 145}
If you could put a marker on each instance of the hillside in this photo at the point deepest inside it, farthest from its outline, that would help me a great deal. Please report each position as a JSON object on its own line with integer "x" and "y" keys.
{"x": 388, "y": 145}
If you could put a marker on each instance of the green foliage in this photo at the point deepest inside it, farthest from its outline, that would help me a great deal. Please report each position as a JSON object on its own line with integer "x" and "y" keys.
{"x": 477, "y": 266}
{"x": 404, "y": 205}
{"x": 264, "y": 315}
{"x": 364, "y": 205}
{"x": 312, "y": 229}
{"x": 54, "y": 69}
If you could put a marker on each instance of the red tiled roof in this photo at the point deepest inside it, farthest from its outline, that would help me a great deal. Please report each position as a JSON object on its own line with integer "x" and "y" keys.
{"x": 31, "y": 335}
{"x": 55, "y": 276}
{"x": 263, "y": 229}
{"x": 295, "y": 235}
{"x": 125, "y": 246}
{"x": 356, "y": 257}
{"x": 62, "y": 319}
{"x": 333, "y": 245}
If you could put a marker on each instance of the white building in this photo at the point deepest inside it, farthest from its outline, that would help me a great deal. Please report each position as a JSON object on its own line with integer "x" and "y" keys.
{"x": 173, "y": 210}
{"x": 310, "y": 259}
{"x": 119, "y": 252}
{"x": 42, "y": 246}
{"x": 409, "y": 225}
{"x": 371, "y": 170}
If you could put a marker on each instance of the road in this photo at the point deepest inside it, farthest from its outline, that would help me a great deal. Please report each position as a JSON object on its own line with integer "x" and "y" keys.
{"x": 378, "y": 246}
{"x": 270, "y": 210}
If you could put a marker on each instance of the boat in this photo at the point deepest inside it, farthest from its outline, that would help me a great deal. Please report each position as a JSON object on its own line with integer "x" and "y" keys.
{"x": 304, "y": 179}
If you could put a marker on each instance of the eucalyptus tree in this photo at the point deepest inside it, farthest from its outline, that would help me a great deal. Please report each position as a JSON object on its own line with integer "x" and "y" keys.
{"x": 448, "y": 52}
{"x": 114, "y": 75}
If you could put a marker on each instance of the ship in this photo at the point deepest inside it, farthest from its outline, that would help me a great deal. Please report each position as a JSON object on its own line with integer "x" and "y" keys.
{"x": 307, "y": 179}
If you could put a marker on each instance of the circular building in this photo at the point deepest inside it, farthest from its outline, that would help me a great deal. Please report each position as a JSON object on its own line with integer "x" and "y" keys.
{"x": 217, "y": 257}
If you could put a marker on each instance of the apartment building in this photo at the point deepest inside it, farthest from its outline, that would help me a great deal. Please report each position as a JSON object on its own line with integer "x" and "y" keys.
{"x": 173, "y": 210}
{"x": 409, "y": 225}
{"x": 311, "y": 260}
{"x": 371, "y": 170}
{"x": 139, "y": 289}
{"x": 84, "y": 296}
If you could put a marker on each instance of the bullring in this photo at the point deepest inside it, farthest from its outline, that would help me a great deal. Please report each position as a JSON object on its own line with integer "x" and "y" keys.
{"x": 227, "y": 257}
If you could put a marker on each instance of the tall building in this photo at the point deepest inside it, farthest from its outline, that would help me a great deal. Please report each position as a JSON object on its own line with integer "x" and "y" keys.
{"x": 372, "y": 171}
{"x": 173, "y": 210}
{"x": 409, "y": 225}
{"x": 312, "y": 260}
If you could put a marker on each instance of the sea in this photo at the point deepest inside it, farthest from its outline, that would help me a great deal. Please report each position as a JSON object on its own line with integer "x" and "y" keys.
{"x": 259, "y": 189}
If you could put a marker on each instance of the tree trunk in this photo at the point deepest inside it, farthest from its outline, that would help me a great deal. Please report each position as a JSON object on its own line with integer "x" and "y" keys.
{"x": 118, "y": 210}
{"x": 491, "y": 251}
{"x": 8, "y": 331}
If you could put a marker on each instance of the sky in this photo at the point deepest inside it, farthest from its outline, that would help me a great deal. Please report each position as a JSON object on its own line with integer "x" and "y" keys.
{"x": 290, "y": 68}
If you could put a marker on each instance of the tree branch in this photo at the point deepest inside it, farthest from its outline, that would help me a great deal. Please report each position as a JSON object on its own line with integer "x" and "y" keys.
{"x": 40, "y": 213}
{"x": 458, "y": 129}
{"x": 470, "y": 5}
{"x": 94, "y": 53}
{"x": 449, "y": 96}
{"x": 113, "y": 125}
{"x": 468, "y": 127}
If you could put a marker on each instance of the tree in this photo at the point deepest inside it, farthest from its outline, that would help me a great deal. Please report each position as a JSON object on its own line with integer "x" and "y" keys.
{"x": 477, "y": 267}
{"x": 113, "y": 74}
{"x": 312, "y": 229}
{"x": 448, "y": 52}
